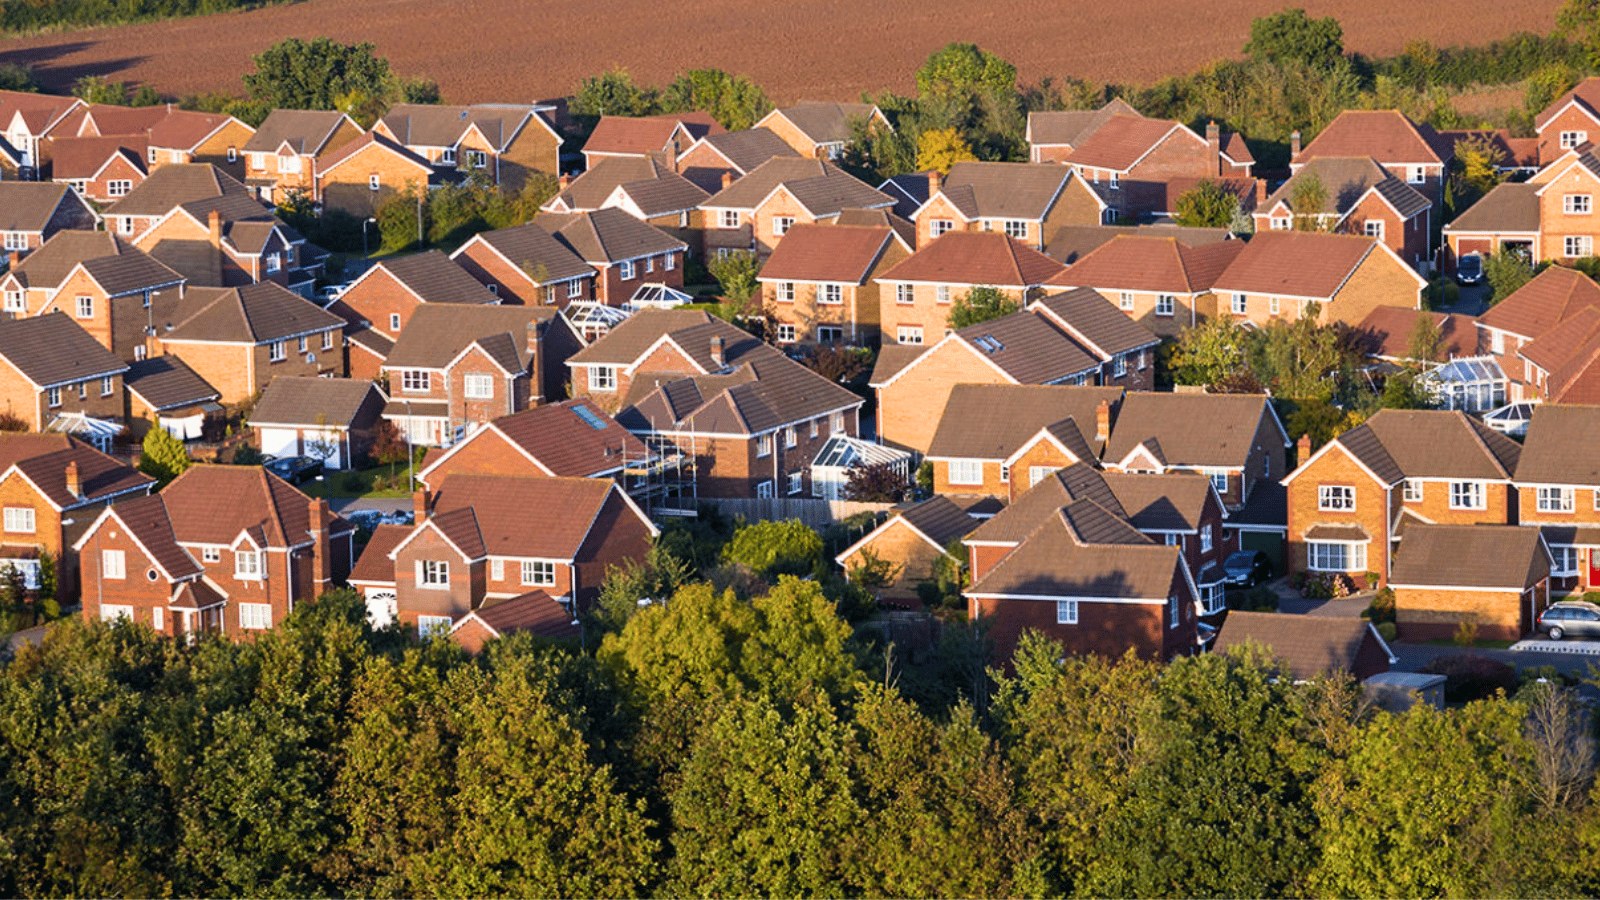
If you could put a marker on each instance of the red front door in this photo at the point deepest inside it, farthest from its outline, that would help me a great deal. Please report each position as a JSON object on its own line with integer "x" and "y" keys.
{"x": 1594, "y": 567}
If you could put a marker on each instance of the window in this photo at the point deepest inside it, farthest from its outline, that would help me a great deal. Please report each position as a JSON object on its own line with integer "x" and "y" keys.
{"x": 1016, "y": 228}
{"x": 625, "y": 270}
{"x": 1497, "y": 342}
{"x": 1570, "y": 139}
{"x": 1273, "y": 306}
{"x": 1337, "y": 497}
{"x": 1119, "y": 366}
{"x": 247, "y": 565}
{"x": 255, "y": 616}
{"x": 1174, "y": 540}
{"x": 728, "y": 218}
{"x": 158, "y": 618}
{"x": 785, "y": 292}
{"x": 233, "y": 154}
{"x": 966, "y": 471}
{"x": 574, "y": 288}
{"x": 1329, "y": 556}
{"x": 1564, "y": 561}
{"x": 1205, "y": 539}
{"x": 1125, "y": 301}
{"x": 837, "y": 424}
{"x": 782, "y": 224}
{"x": 1005, "y": 474}
{"x": 829, "y": 334}
{"x": 602, "y": 378}
{"x": 908, "y": 334}
{"x": 258, "y": 160}
{"x": 668, "y": 261}
{"x": 111, "y": 612}
{"x": 649, "y": 264}
{"x": 831, "y": 294}
{"x": 1575, "y": 204}
{"x": 1174, "y": 612}
{"x": 1240, "y": 307}
{"x": 433, "y": 573}
{"x": 289, "y": 165}
{"x": 211, "y": 554}
{"x": 152, "y": 152}
{"x": 1279, "y": 223}
{"x": 1164, "y": 304}
{"x": 1575, "y": 245}
{"x": 83, "y": 390}
{"x": 85, "y": 307}
{"x": 1466, "y": 495}
{"x": 764, "y": 490}
{"x": 277, "y": 351}
{"x": 497, "y": 570}
{"x": 19, "y": 519}
{"x": 301, "y": 344}
{"x": 1551, "y": 499}
{"x": 790, "y": 438}
{"x": 477, "y": 159}
{"x": 814, "y": 428}
{"x": 795, "y": 482}
{"x": 786, "y": 333}
{"x": 1066, "y": 612}
{"x": 1219, "y": 479}
{"x": 904, "y": 294}
{"x": 106, "y": 386}
{"x": 118, "y": 187}
{"x": 478, "y": 387}
{"x": 374, "y": 182}
{"x": 52, "y": 396}
{"x": 113, "y": 564}
{"x": 415, "y": 381}
{"x": 1373, "y": 228}
{"x": 16, "y": 302}
{"x": 125, "y": 225}
{"x": 448, "y": 156}
{"x": 940, "y": 226}
{"x": 430, "y": 626}
{"x": 538, "y": 572}
{"x": 327, "y": 340}
{"x": 764, "y": 445}
{"x": 1416, "y": 175}
{"x": 1412, "y": 493}
{"x": 942, "y": 294}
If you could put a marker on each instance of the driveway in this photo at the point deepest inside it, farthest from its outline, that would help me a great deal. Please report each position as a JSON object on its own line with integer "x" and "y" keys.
{"x": 1474, "y": 301}
{"x": 1414, "y": 656}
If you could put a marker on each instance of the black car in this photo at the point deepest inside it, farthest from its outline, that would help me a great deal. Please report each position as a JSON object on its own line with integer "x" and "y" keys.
{"x": 295, "y": 469}
{"x": 1469, "y": 269}
{"x": 1247, "y": 568}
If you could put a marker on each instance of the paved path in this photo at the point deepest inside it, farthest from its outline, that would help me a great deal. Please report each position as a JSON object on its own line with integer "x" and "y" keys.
{"x": 24, "y": 637}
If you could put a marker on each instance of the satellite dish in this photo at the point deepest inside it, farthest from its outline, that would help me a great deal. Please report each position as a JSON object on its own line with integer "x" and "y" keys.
{"x": 311, "y": 358}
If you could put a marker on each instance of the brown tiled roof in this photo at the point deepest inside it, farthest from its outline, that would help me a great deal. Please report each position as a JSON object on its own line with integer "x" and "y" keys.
{"x": 253, "y": 313}
{"x": 38, "y": 110}
{"x": 1071, "y": 126}
{"x": 1193, "y": 429}
{"x": 184, "y": 129}
{"x": 371, "y": 341}
{"x": 167, "y": 382}
{"x": 975, "y": 258}
{"x": 29, "y": 205}
{"x": 1029, "y": 348}
{"x": 1587, "y": 95}
{"x": 351, "y": 148}
{"x": 1557, "y": 347}
{"x": 501, "y": 503}
{"x": 52, "y": 350}
{"x": 1397, "y": 444}
{"x": 637, "y": 136}
{"x": 748, "y": 192}
{"x": 1299, "y": 264}
{"x": 826, "y": 196}
{"x": 1346, "y": 180}
{"x": 1002, "y": 190}
{"x": 939, "y": 518}
{"x": 50, "y": 265}
{"x": 375, "y": 564}
{"x": 763, "y": 390}
{"x": 435, "y": 278}
{"x": 534, "y": 251}
{"x": 892, "y": 358}
{"x": 174, "y": 185}
{"x": 83, "y": 157}
{"x": 305, "y": 130}
{"x": 667, "y": 194}
{"x": 594, "y": 187}
{"x": 824, "y": 123}
{"x": 1577, "y": 378}
{"x": 1142, "y": 263}
{"x": 1174, "y": 501}
{"x": 607, "y": 235}
{"x": 535, "y": 612}
{"x": 428, "y": 125}
{"x": 1059, "y": 559}
{"x": 213, "y": 504}
{"x": 1559, "y": 448}
{"x": 834, "y": 253}
{"x": 880, "y": 218}
{"x": 1070, "y": 243}
{"x": 1059, "y": 489}
{"x": 1236, "y": 148}
{"x": 992, "y": 421}
{"x": 147, "y": 518}
{"x": 1510, "y": 557}
{"x": 102, "y": 118}
{"x": 1385, "y": 135}
{"x": 574, "y": 438}
{"x": 1094, "y": 321}
{"x": 1308, "y": 645}
{"x": 436, "y": 334}
{"x": 1386, "y": 333}
{"x": 627, "y": 342}
{"x": 130, "y": 272}
{"x": 44, "y": 459}
{"x": 330, "y": 402}
{"x": 1510, "y": 208}
{"x": 750, "y": 148}
{"x": 1120, "y": 142}
{"x": 1548, "y": 299}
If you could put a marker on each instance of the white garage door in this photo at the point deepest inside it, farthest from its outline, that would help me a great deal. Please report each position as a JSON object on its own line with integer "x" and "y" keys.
{"x": 280, "y": 442}
{"x": 325, "y": 445}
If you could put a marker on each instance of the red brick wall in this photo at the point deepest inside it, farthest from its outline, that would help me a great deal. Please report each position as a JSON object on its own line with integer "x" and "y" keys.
{"x": 909, "y": 409}
{"x": 618, "y": 535}
{"x": 1570, "y": 119}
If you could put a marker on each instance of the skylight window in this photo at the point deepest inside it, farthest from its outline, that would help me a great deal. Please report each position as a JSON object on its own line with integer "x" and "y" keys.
{"x": 588, "y": 416}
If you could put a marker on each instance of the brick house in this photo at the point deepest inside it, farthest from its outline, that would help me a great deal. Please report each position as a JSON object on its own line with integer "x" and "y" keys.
{"x": 526, "y": 265}
{"x": 662, "y": 137}
{"x": 458, "y": 366}
{"x": 239, "y": 339}
{"x": 1337, "y": 277}
{"x": 1126, "y": 350}
{"x": 102, "y": 169}
{"x": 1352, "y": 500}
{"x": 1538, "y": 335}
{"x": 1236, "y": 440}
{"x": 1570, "y": 122}
{"x": 917, "y": 542}
{"x": 1310, "y": 647}
{"x": 26, "y": 119}
{"x": 716, "y": 160}
{"x": 1411, "y": 152}
{"x": 1130, "y": 160}
{"x": 1070, "y": 243}
{"x": 673, "y": 341}
{"x": 535, "y": 612}
{"x": 1052, "y": 135}
{"x": 161, "y": 135}
{"x": 569, "y": 439}
{"x": 1024, "y": 201}
{"x": 1558, "y": 490}
{"x": 756, "y": 211}
{"x": 231, "y": 241}
{"x": 1505, "y": 218}
{"x": 330, "y": 419}
{"x": 643, "y": 187}
{"x": 33, "y": 282}
{"x": 999, "y": 440}
{"x": 819, "y": 130}
{"x": 1159, "y": 282}
{"x": 224, "y": 550}
{"x": 820, "y": 285}
{"x": 51, "y": 369}
{"x": 471, "y": 549}
{"x": 358, "y": 176}
{"x": 165, "y": 190}
{"x": 51, "y": 487}
{"x": 33, "y": 212}
{"x": 387, "y": 295}
{"x": 624, "y": 252}
{"x": 507, "y": 143}
{"x": 915, "y": 296}
{"x": 1495, "y": 577}
{"x": 281, "y": 157}
{"x": 163, "y": 389}
{"x": 1066, "y": 561}
{"x": 1565, "y": 194}
{"x": 116, "y": 299}
{"x": 1360, "y": 197}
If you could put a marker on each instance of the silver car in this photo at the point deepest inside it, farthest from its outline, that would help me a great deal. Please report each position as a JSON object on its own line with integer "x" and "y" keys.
{"x": 1578, "y": 618}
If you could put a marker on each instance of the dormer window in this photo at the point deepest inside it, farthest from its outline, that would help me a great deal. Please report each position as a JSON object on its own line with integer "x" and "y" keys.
{"x": 448, "y": 156}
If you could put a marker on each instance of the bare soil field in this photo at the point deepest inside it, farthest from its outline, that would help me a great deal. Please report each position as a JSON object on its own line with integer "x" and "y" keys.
{"x": 821, "y": 49}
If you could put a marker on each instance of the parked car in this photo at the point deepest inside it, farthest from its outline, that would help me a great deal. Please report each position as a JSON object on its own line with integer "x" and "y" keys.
{"x": 330, "y": 293}
{"x": 295, "y": 469}
{"x": 1247, "y": 568}
{"x": 1578, "y": 618}
{"x": 1469, "y": 269}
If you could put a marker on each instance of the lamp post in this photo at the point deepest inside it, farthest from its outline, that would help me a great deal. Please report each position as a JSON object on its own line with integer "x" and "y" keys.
{"x": 411, "y": 454}
{"x": 364, "y": 224}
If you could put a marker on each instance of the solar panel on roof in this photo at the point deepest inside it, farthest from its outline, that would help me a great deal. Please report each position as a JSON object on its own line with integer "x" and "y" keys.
{"x": 588, "y": 416}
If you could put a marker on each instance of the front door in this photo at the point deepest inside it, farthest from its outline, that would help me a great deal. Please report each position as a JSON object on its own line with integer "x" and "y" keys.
{"x": 1594, "y": 568}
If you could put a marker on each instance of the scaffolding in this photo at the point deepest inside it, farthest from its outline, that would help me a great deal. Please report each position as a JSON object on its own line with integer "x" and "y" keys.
{"x": 664, "y": 478}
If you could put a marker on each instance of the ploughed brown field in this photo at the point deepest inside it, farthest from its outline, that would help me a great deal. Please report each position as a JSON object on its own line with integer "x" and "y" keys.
{"x": 481, "y": 50}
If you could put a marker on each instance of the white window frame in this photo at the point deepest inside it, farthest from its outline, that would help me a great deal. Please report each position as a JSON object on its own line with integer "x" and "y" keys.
{"x": 247, "y": 565}
{"x": 796, "y": 483}
{"x": 433, "y": 626}
{"x": 20, "y": 520}
{"x": 110, "y": 612}
{"x": 374, "y": 182}
{"x": 764, "y": 490}
{"x": 211, "y": 554}
{"x": 791, "y": 438}
{"x": 1570, "y": 139}
{"x": 941, "y": 294}
{"x": 1205, "y": 538}
{"x": 538, "y": 573}
{"x": 16, "y": 301}
{"x": 763, "y": 445}
{"x": 1416, "y": 175}
{"x": 937, "y": 227}
{"x": 255, "y": 616}
{"x": 786, "y": 332}
{"x": 1166, "y": 304}
{"x": 113, "y": 564}
{"x": 1412, "y": 491}
{"x": 416, "y": 381}
{"x": 52, "y": 397}
{"x": 107, "y": 385}
{"x": 1373, "y": 228}
{"x": 1016, "y": 228}
{"x": 1468, "y": 495}
{"x": 1336, "y": 498}
{"x": 829, "y": 334}
{"x": 1119, "y": 366}
{"x": 277, "y": 351}
{"x": 84, "y": 308}
{"x": 1219, "y": 479}
{"x": 1577, "y": 204}
{"x": 477, "y": 386}
{"x": 781, "y": 225}
{"x": 1574, "y": 246}
{"x": 119, "y": 187}
{"x": 1125, "y": 301}
{"x": 1066, "y": 612}
{"x": 575, "y": 289}
{"x": 1241, "y": 305}
{"x": 837, "y": 423}
{"x": 1274, "y": 306}
{"x": 965, "y": 471}
{"x": 905, "y": 294}
{"x": 830, "y": 295}
{"x": 908, "y": 334}
{"x": 327, "y": 340}
{"x": 1320, "y": 556}
{"x": 602, "y": 378}
{"x": 1564, "y": 561}
{"x": 785, "y": 292}
{"x": 477, "y": 159}
{"x": 1550, "y": 500}
{"x": 728, "y": 218}
{"x": 433, "y": 574}
{"x": 626, "y": 270}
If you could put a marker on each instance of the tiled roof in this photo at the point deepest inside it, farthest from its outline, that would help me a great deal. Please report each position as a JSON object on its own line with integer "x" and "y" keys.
{"x": 1193, "y": 429}
{"x": 1577, "y": 378}
{"x": 1059, "y": 489}
{"x": 647, "y": 134}
{"x": 148, "y": 520}
{"x": 975, "y": 258}
{"x": 52, "y": 350}
{"x": 1559, "y": 448}
{"x": 1063, "y": 557}
{"x": 750, "y": 148}
{"x": 305, "y": 130}
{"x": 44, "y": 459}
{"x": 762, "y": 391}
{"x": 310, "y": 401}
{"x": 375, "y": 564}
{"x": 594, "y": 187}
{"x": 1557, "y": 346}
{"x": 1385, "y": 135}
{"x": 1309, "y": 646}
{"x": 828, "y": 195}
{"x": 351, "y": 148}
{"x": 1299, "y": 264}
{"x": 534, "y": 251}
{"x": 574, "y": 438}
{"x": 130, "y": 272}
{"x": 50, "y": 265}
{"x": 825, "y": 123}
{"x": 607, "y": 235}
{"x": 1174, "y": 501}
{"x": 627, "y": 342}
{"x": 1397, "y": 444}
{"x": 82, "y": 157}
{"x": 987, "y": 421}
{"x": 213, "y": 504}
{"x": 1241, "y": 189}
{"x": 167, "y": 382}
{"x": 881, "y": 218}
{"x": 500, "y": 504}
{"x": 434, "y": 278}
{"x": 1509, "y": 557}
{"x": 435, "y": 335}
{"x": 184, "y": 129}
{"x": 831, "y": 253}
{"x": 535, "y": 612}
{"x": 1068, "y": 127}
{"x": 747, "y": 192}
{"x": 1070, "y": 243}
{"x": 176, "y": 184}
{"x": 1028, "y": 347}
{"x": 1142, "y": 263}
{"x": 253, "y": 313}
{"x": 1386, "y": 333}
{"x": 1586, "y": 93}
{"x": 1002, "y": 190}
{"x": 664, "y": 195}
{"x": 1120, "y": 142}
{"x": 426, "y": 125}
{"x": 1510, "y": 208}
{"x": 28, "y": 205}
{"x": 1346, "y": 180}
{"x": 1546, "y": 300}
{"x": 940, "y": 518}
{"x": 892, "y": 359}
{"x": 1089, "y": 317}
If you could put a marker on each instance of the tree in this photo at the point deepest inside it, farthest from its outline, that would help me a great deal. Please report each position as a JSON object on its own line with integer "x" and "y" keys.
{"x": 882, "y": 483}
{"x": 1425, "y": 342}
{"x": 1309, "y": 200}
{"x": 941, "y": 148}
{"x": 297, "y": 74}
{"x": 961, "y": 70}
{"x": 389, "y": 446}
{"x": 163, "y": 456}
{"x": 1207, "y": 205}
{"x": 95, "y": 89}
{"x": 736, "y": 273}
{"x": 1506, "y": 271}
{"x": 733, "y": 100}
{"x": 1292, "y": 36}
{"x": 612, "y": 93}
{"x": 1209, "y": 353}
{"x": 981, "y": 304}
{"x": 18, "y": 77}
{"x": 1479, "y": 159}
{"x": 786, "y": 547}
{"x": 1579, "y": 22}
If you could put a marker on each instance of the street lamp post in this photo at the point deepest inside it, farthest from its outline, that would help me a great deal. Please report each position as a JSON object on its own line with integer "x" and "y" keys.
{"x": 364, "y": 224}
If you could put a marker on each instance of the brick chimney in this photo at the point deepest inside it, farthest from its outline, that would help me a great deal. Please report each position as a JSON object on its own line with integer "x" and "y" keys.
{"x": 935, "y": 182}
{"x": 74, "y": 480}
{"x": 1302, "y": 450}
{"x": 215, "y": 220}
{"x": 1294, "y": 144}
{"x": 321, "y": 550}
{"x": 727, "y": 180}
{"x": 1214, "y": 144}
{"x": 718, "y": 358}
{"x": 1102, "y": 421}
{"x": 1261, "y": 195}
{"x": 420, "y": 501}
{"x": 564, "y": 181}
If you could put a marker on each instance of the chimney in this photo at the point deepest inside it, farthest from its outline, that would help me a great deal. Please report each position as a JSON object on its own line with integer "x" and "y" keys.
{"x": 419, "y": 505}
{"x": 74, "y": 480}
{"x": 1302, "y": 450}
{"x": 1102, "y": 421}
{"x": 718, "y": 358}
{"x": 1214, "y": 143}
{"x": 321, "y": 550}
{"x": 215, "y": 220}
{"x": 1261, "y": 195}
{"x": 564, "y": 181}
{"x": 935, "y": 181}
{"x": 1294, "y": 144}
{"x": 727, "y": 180}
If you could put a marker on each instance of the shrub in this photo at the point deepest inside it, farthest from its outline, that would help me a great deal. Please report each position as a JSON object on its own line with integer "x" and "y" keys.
{"x": 1466, "y": 633}
{"x": 350, "y": 482}
{"x": 1387, "y": 631}
{"x": 1472, "y": 677}
{"x": 1262, "y": 599}
{"x": 1372, "y": 580}
{"x": 1381, "y": 609}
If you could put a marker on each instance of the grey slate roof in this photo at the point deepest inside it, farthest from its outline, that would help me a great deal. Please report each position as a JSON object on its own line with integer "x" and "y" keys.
{"x": 306, "y": 130}
{"x": 608, "y": 235}
{"x": 749, "y": 148}
{"x": 130, "y": 272}
{"x": 1002, "y": 190}
{"x": 825, "y": 123}
{"x": 52, "y": 350}
{"x": 176, "y": 184}
{"x": 435, "y": 335}
{"x": 533, "y": 249}
{"x": 940, "y": 518}
{"x": 754, "y": 187}
{"x": 1560, "y": 446}
{"x": 1087, "y": 314}
{"x": 329, "y": 402}
{"x": 252, "y": 313}
{"x": 992, "y": 421}
{"x": 436, "y": 279}
{"x": 50, "y": 265}
{"x": 1027, "y": 348}
{"x": 29, "y": 205}
{"x": 762, "y": 391}
{"x": 167, "y": 382}
{"x": 624, "y": 344}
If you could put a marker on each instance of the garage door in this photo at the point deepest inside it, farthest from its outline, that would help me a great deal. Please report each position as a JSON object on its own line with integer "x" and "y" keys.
{"x": 324, "y": 445}
{"x": 280, "y": 442}
{"x": 1268, "y": 542}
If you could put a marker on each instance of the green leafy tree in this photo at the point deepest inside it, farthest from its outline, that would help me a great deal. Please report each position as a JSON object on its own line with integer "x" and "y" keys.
{"x": 316, "y": 74}
{"x": 1206, "y": 205}
{"x": 1579, "y": 22}
{"x": 1309, "y": 199}
{"x": 736, "y": 273}
{"x": 1425, "y": 341}
{"x": 881, "y": 483}
{"x": 733, "y": 100}
{"x": 1292, "y": 36}
{"x": 1210, "y": 353}
{"x": 632, "y": 582}
{"x": 981, "y": 304}
{"x": 940, "y": 148}
{"x": 784, "y": 547}
{"x": 162, "y": 456}
{"x": 1302, "y": 360}
{"x": 612, "y": 93}
{"x": 1506, "y": 271}
{"x": 416, "y": 90}
{"x": 97, "y": 89}
{"x": 875, "y": 153}
{"x": 18, "y": 77}
{"x": 960, "y": 70}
